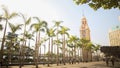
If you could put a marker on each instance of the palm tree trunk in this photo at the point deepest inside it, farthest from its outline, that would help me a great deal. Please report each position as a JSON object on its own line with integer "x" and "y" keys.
{"x": 49, "y": 53}
{"x": 51, "y": 49}
{"x": 36, "y": 52}
{"x": 36, "y": 56}
{"x": 97, "y": 55}
{"x": 75, "y": 54}
{"x": 78, "y": 55}
{"x": 39, "y": 41}
{"x": 22, "y": 48}
{"x": 9, "y": 53}
{"x": 44, "y": 52}
{"x": 63, "y": 49}
{"x": 57, "y": 56}
{"x": 2, "y": 45}
{"x": 20, "y": 58}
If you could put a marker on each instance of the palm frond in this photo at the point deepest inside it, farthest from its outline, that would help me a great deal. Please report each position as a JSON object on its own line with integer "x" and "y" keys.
{"x": 44, "y": 23}
{"x": 28, "y": 21}
{"x": 57, "y": 23}
{"x": 15, "y": 28}
{"x": 5, "y": 11}
{"x": 1, "y": 27}
{"x": 37, "y": 18}
{"x": 13, "y": 15}
{"x": 12, "y": 27}
{"x": 33, "y": 25}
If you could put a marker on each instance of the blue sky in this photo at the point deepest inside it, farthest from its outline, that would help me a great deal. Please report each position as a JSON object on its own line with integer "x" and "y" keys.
{"x": 99, "y": 21}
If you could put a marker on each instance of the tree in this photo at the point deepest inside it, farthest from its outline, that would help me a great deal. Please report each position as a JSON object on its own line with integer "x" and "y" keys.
{"x": 79, "y": 47}
{"x": 40, "y": 26}
{"x": 51, "y": 34}
{"x": 73, "y": 40}
{"x": 90, "y": 47}
{"x": 57, "y": 25}
{"x": 63, "y": 32}
{"x": 26, "y": 22}
{"x": 15, "y": 27}
{"x": 96, "y": 49}
{"x": 12, "y": 36}
{"x": 43, "y": 41}
{"x": 29, "y": 36}
{"x": 5, "y": 17}
{"x": 96, "y": 4}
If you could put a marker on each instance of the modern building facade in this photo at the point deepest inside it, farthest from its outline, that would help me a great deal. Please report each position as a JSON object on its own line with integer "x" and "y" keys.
{"x": 85, "y": 34}
{"x": 114, "y": 36}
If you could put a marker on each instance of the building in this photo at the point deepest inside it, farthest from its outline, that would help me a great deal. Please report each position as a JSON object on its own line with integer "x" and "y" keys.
{"x": 85, "y": 34}
{"x": 84, "y": 29}
{"x": 114, "y": 36}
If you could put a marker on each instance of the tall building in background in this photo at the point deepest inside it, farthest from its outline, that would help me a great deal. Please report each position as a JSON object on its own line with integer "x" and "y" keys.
{"x": 85, "y": 34}
{"x": 114, "y": 36}
{"x": 84, "y": 29}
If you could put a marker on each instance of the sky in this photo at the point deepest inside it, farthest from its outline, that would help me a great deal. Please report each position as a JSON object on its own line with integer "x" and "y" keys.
{"x": 99, "y": 21}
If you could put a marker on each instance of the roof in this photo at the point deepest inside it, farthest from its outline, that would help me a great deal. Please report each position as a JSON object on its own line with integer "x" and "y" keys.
{"x": 115, "y": 28}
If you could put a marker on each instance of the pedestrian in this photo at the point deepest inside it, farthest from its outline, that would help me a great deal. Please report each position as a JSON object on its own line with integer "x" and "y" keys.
{"x": 112, "y": 60}
{"x": 107, "y": 61}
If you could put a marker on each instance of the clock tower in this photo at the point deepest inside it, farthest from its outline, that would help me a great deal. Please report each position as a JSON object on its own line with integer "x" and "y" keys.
{"x": 84, "y": 29}
{"x": 85, "y": 34}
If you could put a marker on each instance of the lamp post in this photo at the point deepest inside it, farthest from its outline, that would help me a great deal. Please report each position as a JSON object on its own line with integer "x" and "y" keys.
{"x": 3, "y": 40}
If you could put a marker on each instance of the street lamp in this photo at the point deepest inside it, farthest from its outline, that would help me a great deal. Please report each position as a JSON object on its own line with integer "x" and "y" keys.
{"x": 3, "y": 39}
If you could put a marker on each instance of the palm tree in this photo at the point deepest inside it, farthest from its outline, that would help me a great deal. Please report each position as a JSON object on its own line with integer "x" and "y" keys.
{"x": 44, "y": 39}
{"x": 51, "y": 34}
{"x": 15, "y": 27}
{"x": 26, "y": 22}
{"x": 6, "y": 17}
{"x": 79, "y": 46}
{"x": 13, "y": 36}
{"x": 96, "y": 48}
{"x": 57, "y": 25}
{"x": 70, "y": 47}
{"x": 87, "y": 47}
{"x": 73, "y": 42}
{"x": 58, "y": 43}
{"x": 28, "y": 36}
{"x": 42, "y": 42}
{"x": 90, "y": 47}
{"x": 40, "y": 26}
{"x": 63, "y": 32}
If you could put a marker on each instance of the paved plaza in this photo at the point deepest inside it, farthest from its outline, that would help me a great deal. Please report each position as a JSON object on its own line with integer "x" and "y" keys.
{"x": 100, "y": 64}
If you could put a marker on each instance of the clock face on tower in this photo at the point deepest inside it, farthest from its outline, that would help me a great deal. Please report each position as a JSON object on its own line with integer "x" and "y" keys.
{"x": 83, "y": 33}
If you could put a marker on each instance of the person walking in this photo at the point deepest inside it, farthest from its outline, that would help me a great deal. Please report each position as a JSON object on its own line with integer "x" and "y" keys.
{"x": 107, "y": 61}
{"x": 112, "y": 60}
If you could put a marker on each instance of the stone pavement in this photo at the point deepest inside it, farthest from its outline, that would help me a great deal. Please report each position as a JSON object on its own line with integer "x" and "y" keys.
{"x": 100, "y": 64}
